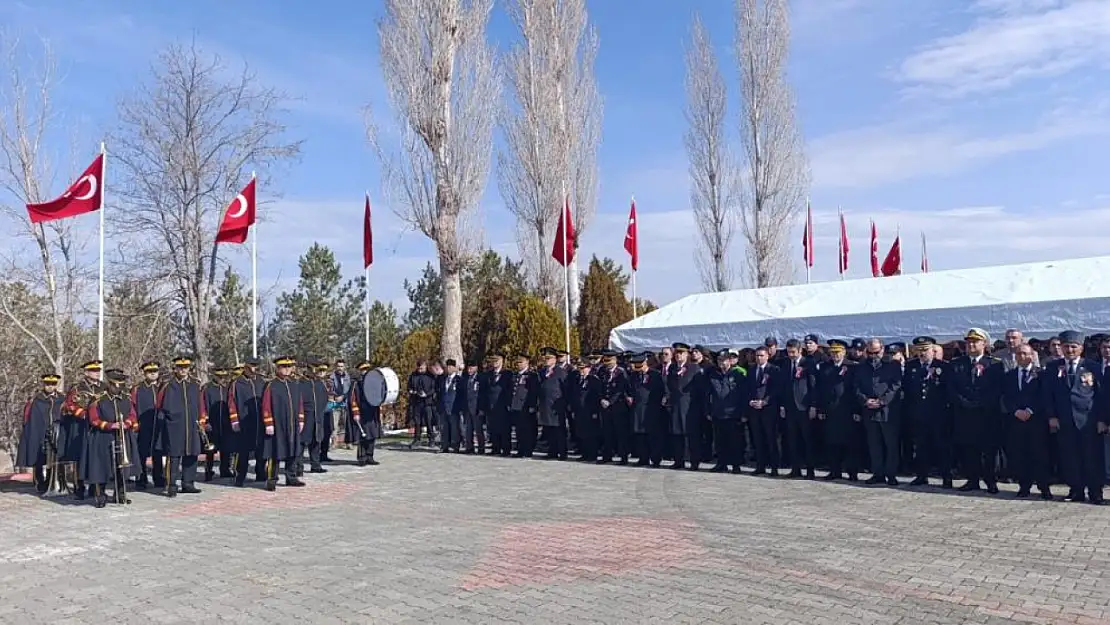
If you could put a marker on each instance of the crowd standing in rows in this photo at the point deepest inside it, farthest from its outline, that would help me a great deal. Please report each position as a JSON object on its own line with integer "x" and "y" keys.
{"x": 848, "y": 407}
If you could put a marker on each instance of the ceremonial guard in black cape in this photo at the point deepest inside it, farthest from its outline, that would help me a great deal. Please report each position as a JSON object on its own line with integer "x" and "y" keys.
{"x": 38, "y": 443}
{"x": 838, "y": 411}
{"x": 282, "y": 420}
{"x": 876, "y": 385}
{"x": 351, "y": 435}
{"x": 799, "y": 407}
{"x": 495, "y": 395}
{"x": 450, "y": 425}
{"x": 973, "y": 392}
{"x": 314, "y": 397}
{"x": 111, "y": 447}
{"x": 1026, "y": 427}
{"x": 244, "y": 403}
{"x": 614, "y": 406}
{"x": 522, "y": 406}
{"x": 649, "y": 418}
{"x": 365, "y": 426}
{"x": 725, "y": 398}
{"x": 182, "y": 428}
{"x": 925, "y": 406}
{"x": 1072, "y": 398}
{"x": 215, "y": 398}
{"x": 683, "y": 405}
{"x": 144, "y": 396}
{"x": 583, "y": 396}
{"x": 763, "y": 382}
{"x": 422, "y": 397}
{"x": 468, "y": 409}
{"x": 71, "y": 443}
{"x": 551, "y": 402}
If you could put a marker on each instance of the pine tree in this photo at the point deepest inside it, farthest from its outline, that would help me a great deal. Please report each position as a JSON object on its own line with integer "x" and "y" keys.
{"x": 604, "y": 305}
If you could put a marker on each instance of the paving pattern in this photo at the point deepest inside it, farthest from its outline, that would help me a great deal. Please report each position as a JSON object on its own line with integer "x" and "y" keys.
{"x": 426, "y": 538}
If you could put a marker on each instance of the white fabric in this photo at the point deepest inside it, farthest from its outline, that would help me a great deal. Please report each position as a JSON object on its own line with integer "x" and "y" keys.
{"x": 1042, "y": 299}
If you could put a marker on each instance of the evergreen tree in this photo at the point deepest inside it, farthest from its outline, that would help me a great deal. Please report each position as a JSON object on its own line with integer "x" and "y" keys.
{"x": 604, "y": 305}
{"x": 229, "y": 332}
{"x": 323, "y": 316}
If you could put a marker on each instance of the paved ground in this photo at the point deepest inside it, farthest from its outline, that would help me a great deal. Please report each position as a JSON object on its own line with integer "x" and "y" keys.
{"x": 429, "y": 538}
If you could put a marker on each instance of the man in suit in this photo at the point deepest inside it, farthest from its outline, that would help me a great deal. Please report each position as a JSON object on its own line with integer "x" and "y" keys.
{"x": 447, "y": 390}
{"x": 467, "y": 408}
{"x": 551, "y": 403}
{"x": 1103, "y": 376}
{"x": 495, "y": 390}
{"x": 763, "y": 412}
{"x": 877, "y": 384}
{"x": 1008, "y": 354}
{"x": 1025, "y": 425}
{"x": 1071, "y": 401}
{"x": 799, "y": 408}
{"x": 973, "y": 392}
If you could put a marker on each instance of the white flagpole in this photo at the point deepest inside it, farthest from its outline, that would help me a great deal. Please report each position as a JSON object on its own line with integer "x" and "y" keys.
{"x": 100, "y": 286}
{"x": 809, "y": 238}
{"x": 254, "y": 281}
{"x": 840, "y": 242}
{"x": 566, "y": 270}
{"x": 367, "y": 289}
{"x": 637, "y": 241}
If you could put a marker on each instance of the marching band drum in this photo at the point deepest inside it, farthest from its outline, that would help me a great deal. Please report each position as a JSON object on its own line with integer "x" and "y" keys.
{"x": 382, "y": 387}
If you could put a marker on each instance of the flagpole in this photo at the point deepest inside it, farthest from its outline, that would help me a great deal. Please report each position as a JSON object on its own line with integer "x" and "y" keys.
{"x": 254, "y": 286}
{"x": 809, "y": 239}
{"x": 566, "y": 270}
{"x": 637, "y": 248}
{"x": 367, "y": 291}
{"x": 100, "y": 280}
{"x": 840, "y": 242}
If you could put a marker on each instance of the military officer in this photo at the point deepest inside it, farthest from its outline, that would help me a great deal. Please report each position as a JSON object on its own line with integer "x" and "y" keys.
{"x": 522, "y": 406}
{"x": 551, "y": 402}
{"x": 494, "y": 395}
{"x": 972, "y": 386}
{"x": 925, "y": 405}
{"x": 837, "y": 408}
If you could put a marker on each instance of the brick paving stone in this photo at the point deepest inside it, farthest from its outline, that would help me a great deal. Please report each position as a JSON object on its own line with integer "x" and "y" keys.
{"x": 427, "y": 538}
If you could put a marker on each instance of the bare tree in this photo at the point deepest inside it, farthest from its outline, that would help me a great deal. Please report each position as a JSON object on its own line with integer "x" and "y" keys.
{"x": 188, "y": 138}
{"x": 714, "y": 177}
{"x": 777, "y": 173}
{"x": 26, "y": 115}
{"x": 552, "y": 131}
{"x": 443, "y": 85}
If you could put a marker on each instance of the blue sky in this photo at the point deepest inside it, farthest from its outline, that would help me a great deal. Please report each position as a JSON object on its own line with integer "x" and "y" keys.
{"x": 982, "y": 124}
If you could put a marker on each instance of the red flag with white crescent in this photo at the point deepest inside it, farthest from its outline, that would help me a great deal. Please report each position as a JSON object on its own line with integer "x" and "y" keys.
{"x": 874, "y": 251}
{"x": 86, "y": 195}
{"x": 367, "y": 237}
{"x": 563, "y": 249}
{"x": 239, "y": 217}
{"x": 631, "y": 238}
{"x": 843, "y": 245}
{"x": 892, "y": 264}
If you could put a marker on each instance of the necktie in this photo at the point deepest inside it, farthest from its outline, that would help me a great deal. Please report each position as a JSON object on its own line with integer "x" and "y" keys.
{"x": 1071, "y": 368}
{"x": 1024, "y": 379}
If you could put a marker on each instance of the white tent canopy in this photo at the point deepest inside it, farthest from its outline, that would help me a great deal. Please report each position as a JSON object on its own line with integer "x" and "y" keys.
{"x": 1041, "y": 299}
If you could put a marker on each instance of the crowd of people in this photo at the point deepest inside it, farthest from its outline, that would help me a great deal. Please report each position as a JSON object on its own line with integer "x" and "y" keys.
{"x": 946, "y": 412}
{"x": 105, "y": 433}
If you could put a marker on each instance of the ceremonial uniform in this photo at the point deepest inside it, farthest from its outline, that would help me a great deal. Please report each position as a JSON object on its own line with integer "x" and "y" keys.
{"x": 244, "y": 401}
{"x": 583, "y": 397}
{"x": 111, "y": 448}
{"x": 71, "y": 441}
{"x": 551, "y": 405}
{"x": 973, "y": 391}
{"x": 522, "y": 409}
{"x": 649, "y": 418}
{"x": 839, "y": 411}
{"x": 495, "y": 392}
{"x": 216, "y": 402}
{"x": 144, "y": 397}
{"x": 365, "y": 427}
{"x": 615, "y": 397}
{"x": 282, "y": 420}
{"x": 182, "y": 413}
{"x": 38, "y": 442}
{"x": 314, "y": 397}
{"x": 926, "y": 407}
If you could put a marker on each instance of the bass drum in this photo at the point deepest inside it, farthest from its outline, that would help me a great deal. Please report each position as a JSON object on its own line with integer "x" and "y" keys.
{"x": 382, "y": 387}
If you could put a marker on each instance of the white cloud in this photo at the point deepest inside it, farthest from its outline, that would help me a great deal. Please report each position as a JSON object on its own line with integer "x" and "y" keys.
{"x": 1013, "y": 42}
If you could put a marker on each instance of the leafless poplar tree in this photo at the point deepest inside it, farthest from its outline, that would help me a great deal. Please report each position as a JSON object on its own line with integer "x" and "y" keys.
{"x": 714, "y": 177}
{"x": 26, "y": 173}
{"x": 777, "y": 173}
{"x": 443, "y": 86}
{"x": 188, "y": 139}
{"x": 553, "y": 130}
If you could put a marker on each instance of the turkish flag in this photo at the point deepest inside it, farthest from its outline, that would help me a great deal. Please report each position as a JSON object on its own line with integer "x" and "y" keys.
{"x": 367, "y": 237}
{"x": 843, "y": 245}
{"x": 631, "y": 238}
{"x": 84, "y": 196}
{"x": 874, "y": 251}
{"x": 892, "y": 264}
{"x": 924, "y": 255}
{"x": 239, "y": 217}
{"x": 807, "y": 237}
{"x": 563, "y": 250}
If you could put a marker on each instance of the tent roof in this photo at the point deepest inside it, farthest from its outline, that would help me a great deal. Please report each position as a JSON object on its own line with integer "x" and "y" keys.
{"x": 1039, "y": 298}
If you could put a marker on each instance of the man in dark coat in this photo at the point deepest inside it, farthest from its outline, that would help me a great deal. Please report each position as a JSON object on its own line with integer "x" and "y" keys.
{"x": 447, "y": 388}
{"x": 925, "y": 405}
{"x": 725, "y": 397}
{"x": 583, "y": 397}
{"x": 649, "y": 418}
{"x": 838, "y": 410}
{"x": 467, "y": 410}
{"x": 495, "y": 393}
{"x": 244, "y": 402}
{"x": 365, "y": 425}
{"x": 182, "y": 413}
{"x": 973, "y": 392}
{"x": 1025, "y": 425}
{"x": 283, "y": 419}
{"x": 763, "y": 382}
{"x": 71, "y": 442}
{"x": 1071, "y": 399}
{"x": 684, "y": 406}
{"x": 111, "y": 451}
{"x": 144, "y": 396}
{"x": 876, "y": 385}
{"x": 38, "y": 442}
{"x": 215, "y": 398}
{"x": 522, "y": 406}
{"x": 422, "y": 397}
{"x": 799, "y": 408}
{"x": 314, "y": 399}
{"x": 614, "y": 403}
{"x": 551, "y": 403}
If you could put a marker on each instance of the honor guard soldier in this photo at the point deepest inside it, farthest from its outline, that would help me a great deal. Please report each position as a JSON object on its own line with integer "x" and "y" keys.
{"x": 467, "y": 406}
{"x": 876, "y": 385}
{"x": 144, "y": 397}
{"x": 314, "y": 397}
{"x": 522, "y": 406}
{"x": 111, "y": 449}
{"x": 365, "y": 426}
{"x": 495, "y": 395}
{"x": 183, "y": 415}
{"x": 838, "y": 410}
{"x": 649, "y": 418}
{"x": 282, "y": 420}
{"x": 38, "y": 443}
{"x": 74, "y": 426}
{"x": 973, "y": 392}
{"x": 244, "y": 402}
{"x": 1070, "y": 388}
{"x": 1025, "y": 425}
{"x": 215, "y": 398}
{"x": 925, "y": 407}
{"x": 551, "y": 403}
{"x": 725, "y": 393}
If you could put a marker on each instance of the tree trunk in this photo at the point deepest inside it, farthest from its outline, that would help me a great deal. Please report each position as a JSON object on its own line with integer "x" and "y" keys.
{"x": 451, "y": 342}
